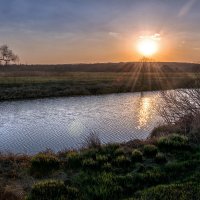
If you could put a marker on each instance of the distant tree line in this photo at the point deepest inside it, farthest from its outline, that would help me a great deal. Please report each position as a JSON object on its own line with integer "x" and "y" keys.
{"x": 7, "y": 56}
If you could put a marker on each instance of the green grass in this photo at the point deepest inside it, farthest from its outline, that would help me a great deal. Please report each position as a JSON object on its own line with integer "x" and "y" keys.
{"x": 110, "y": 172}
{"x": 89, "y": 83}
{"x": 44, "y": 164}
{"x": 184, "y": 191}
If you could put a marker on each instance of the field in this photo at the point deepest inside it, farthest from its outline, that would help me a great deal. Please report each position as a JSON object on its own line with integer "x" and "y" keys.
{"x": 21, "y": 82}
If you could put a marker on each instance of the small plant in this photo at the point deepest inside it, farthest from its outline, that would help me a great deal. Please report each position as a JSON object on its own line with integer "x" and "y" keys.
{"x": 89, "y": 163}
{"x": 107, "y": 166}
{"x": 172, "y": 142}
{"x": 72, "y": 193}
{"x": 119, "y": 151}
{"x": 101, "y": 159}
{"x": 136, "y": 155}
{"x": 52, "y": 189}
{"x": 160, "y": 158}
{"x": 150, "y": 150}
{"x": 43, "y": 164}
{"x": 121, "y": 161}
{"x": 109, "y": 148}
{"x": 89, "y": 153}
{"x": 48, "y": 190}
{"x": 104, "y": 186}
{"x": 73, "y": 160}
{"x": 172, "y": 191}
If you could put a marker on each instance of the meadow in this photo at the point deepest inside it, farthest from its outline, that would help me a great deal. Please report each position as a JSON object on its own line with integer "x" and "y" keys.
{"x": 24, "y": 82}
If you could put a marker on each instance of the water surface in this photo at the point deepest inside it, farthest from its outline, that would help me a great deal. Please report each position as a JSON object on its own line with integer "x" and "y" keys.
{"x": 30, "y": 126}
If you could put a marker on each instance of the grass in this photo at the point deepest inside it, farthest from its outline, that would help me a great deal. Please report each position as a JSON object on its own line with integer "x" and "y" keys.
{"x": 172, "y": 191}
{"x": 89, "y": 83}
{"x": 44, "y": 164}
{"x": 113, "y": 171}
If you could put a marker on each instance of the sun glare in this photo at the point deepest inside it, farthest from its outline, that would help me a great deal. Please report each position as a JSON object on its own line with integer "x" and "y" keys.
{"x": 147, "y": 46}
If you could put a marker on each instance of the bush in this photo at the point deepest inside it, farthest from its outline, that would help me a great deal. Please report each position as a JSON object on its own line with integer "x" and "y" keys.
{"x": 150, "y": 150}
{"x": 102, "y": 186}
{"x": 122, "y": 161}
{"x": 160, "y": 158}
{"x": 43, "y": 164}
{"x": 153, "y": 177}
{"x": 101, "y": 159}
{"x": 52, "y": 190}
{"x": 72, "y": 193}
{"x": 136, "y": 155}
{"x": 89, "y": 153}
{"x": 89, "y": 163}
{"x": 107, "y": 166}
{"x": 120, "y": 151}
{"x": 180, "y": 169}
{"x": 109, "y": 148}
{"x": 73, "y": 160}
{"x": 172, "y": 142}
{"x": 171, "y": 192}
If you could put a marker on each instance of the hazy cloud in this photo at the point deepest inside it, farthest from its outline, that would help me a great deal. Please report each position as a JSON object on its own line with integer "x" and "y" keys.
{"x": 114, "y": 34}
{"x": 155, "y": 36}
{"x": 186, "y": 8}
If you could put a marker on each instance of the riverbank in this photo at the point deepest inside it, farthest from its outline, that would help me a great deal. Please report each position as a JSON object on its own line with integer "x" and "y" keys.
{"x": 90, "y": 83}
{"x": 158, "y": 168}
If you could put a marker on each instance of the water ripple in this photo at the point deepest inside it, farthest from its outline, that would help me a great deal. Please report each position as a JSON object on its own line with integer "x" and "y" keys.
{"x": 31, "y": 126}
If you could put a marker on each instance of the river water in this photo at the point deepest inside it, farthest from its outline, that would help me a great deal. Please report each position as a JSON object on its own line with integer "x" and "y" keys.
{"x": 30, "y": 126}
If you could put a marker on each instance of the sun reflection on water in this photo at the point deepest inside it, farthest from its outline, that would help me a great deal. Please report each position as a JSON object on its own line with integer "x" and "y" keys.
{"x": 144, "y": 111}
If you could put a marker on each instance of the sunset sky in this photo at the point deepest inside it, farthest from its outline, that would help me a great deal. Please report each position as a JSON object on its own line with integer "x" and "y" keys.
{"x": 88, "y": 31}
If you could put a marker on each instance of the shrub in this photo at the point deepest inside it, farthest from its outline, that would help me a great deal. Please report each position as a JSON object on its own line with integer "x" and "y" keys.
{"x": 164, "y": 130}
{"x": 139, "y": 167}
{"x": 52, "y": 190}
{"x": 101, "y": 159}
{"x": 109, "y": 148}
{"x": 136, "y": 155}
{"x": 89, "y": 153}
{"x": 150, "y": 150}
{"x": 160, "y": 158}
{"x": 171, "y": 192}
{"x": 119, "y": 151}
{"x": 122, "y": 161}
{"x": 179, "y": 169}
{"x": 72, "y": 193}
{"x": 172, "y": 142}
{"x": 103, "y": 186}
{"x": 73, "y": 160}
{"x": 89, "y": 163}
{"x": 43, "y": 164}
{"x": 153, "y": 177}
{"x": 107, "y": 166}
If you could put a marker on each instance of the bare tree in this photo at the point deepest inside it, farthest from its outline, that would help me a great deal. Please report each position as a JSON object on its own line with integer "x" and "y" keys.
{"x": 7, "y": 56}
{"x": 181, "y": 107}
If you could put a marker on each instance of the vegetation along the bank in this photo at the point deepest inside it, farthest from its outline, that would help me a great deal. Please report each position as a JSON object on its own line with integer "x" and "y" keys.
{"x": 159, "y": 168}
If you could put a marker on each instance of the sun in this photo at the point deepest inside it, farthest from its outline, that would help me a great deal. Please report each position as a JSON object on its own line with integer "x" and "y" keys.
{"x": 147, "y": 46}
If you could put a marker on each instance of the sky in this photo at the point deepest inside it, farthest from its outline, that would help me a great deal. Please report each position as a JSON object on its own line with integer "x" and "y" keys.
{"x": 90, "y": 31}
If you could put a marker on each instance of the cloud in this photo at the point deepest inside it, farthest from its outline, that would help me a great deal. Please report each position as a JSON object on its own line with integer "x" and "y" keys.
{"x": 155, "y": 36}
{"x": 114, "y": 34}
{"x": 186, "y": 8}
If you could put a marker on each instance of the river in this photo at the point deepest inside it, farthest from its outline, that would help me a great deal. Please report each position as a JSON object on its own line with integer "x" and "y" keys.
{"x": 31, "y": 126}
